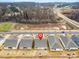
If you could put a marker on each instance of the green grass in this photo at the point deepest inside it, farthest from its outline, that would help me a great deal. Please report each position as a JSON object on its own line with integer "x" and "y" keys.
{"x": 4, "y": 27}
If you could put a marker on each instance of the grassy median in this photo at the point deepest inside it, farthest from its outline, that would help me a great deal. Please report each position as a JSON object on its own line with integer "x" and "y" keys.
{"x": 4, "y": 27}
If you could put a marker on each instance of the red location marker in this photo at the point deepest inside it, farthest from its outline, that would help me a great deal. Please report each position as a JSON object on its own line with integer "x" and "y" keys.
{"x": 40, "y": 36}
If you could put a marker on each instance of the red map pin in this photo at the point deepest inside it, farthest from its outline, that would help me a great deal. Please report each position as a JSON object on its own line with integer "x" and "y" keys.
{"x": 40, "y": 36}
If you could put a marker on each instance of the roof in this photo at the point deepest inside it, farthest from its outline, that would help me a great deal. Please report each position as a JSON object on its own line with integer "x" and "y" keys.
{"x": 54, "y": 43}
{"x": 68, "y": 43}
{"x": 10, "y": 43}
{"x": 25, "y": 43}
{"x": 27, "y": 37}
{"x": 40, "y": 44}
{"x": 64, "y": 40}
{"x": 2, "y": 40}
{"x": 13, "y": 36}
{"x": 75, "y": 39}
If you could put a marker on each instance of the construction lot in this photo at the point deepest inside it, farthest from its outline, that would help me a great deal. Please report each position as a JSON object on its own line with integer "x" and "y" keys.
{"x": 51, "y": 46}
